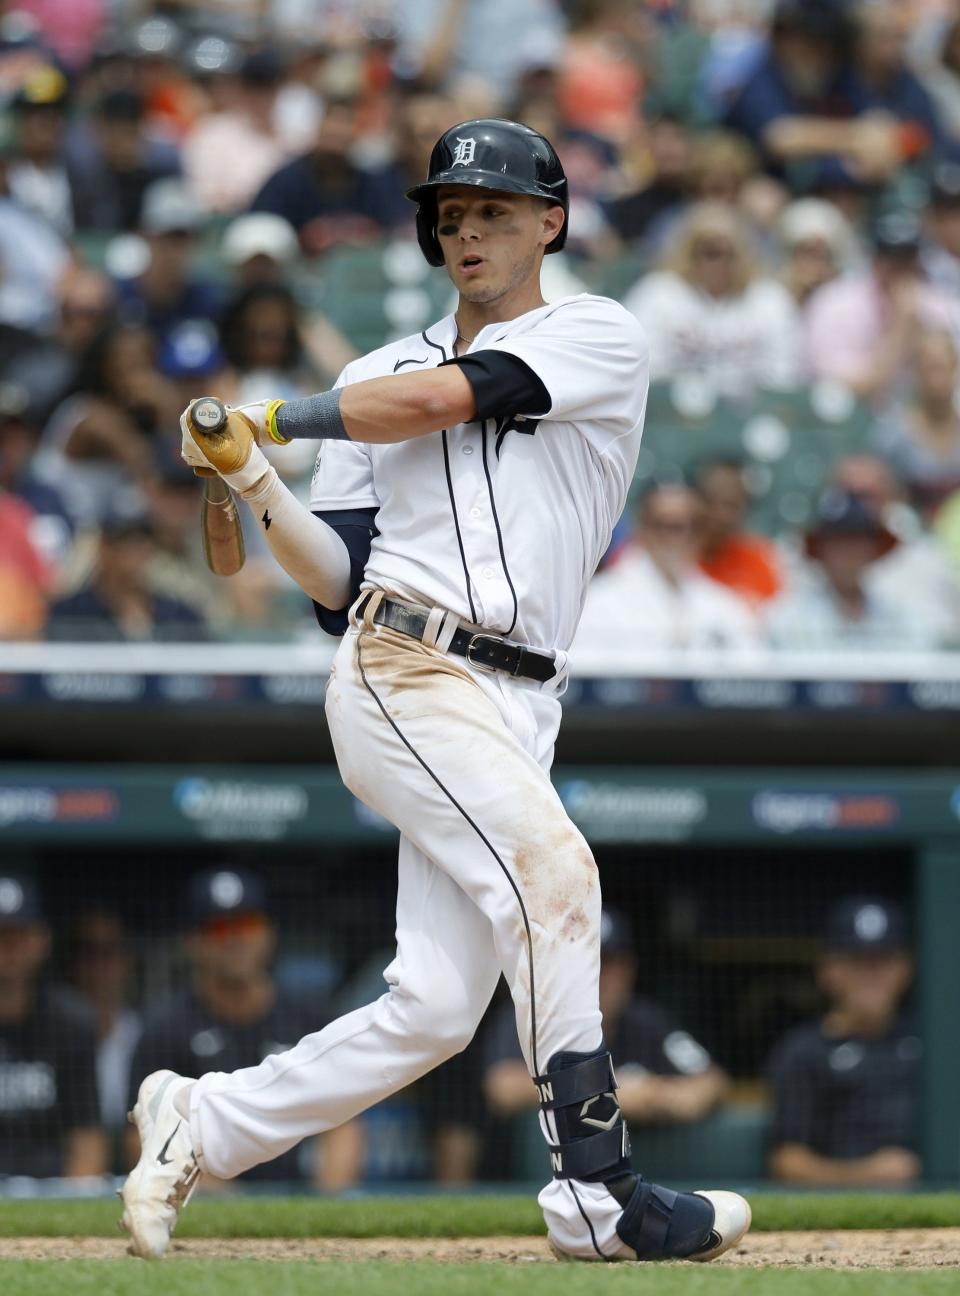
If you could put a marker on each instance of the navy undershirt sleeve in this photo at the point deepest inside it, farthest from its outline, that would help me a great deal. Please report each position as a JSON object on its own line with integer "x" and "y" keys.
{"x": 356, "y": 528}
{"x": 502, "y": 384}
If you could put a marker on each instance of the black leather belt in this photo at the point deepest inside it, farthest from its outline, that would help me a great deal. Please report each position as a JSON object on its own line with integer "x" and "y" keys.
{"x": 485, "y": 651}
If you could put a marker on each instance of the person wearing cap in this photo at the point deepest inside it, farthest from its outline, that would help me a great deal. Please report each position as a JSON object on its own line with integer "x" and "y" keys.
{"x": 166, "y": 292}
{"x": 845, "y": 1087}
{"x": 817, "y": 242}
{"x": 49, "y": 1111}
{"x": 118, "y": 604}
{"x": 836, "y": 607}
{"x": 860, "y": 327}
{"x": 37, "y": 175}
{"x": 664, "y": 1074}
{"x": 233, "y": 1013}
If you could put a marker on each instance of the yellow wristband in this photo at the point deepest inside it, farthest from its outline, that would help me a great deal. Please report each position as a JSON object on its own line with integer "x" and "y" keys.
{"x": 271, "y": 423}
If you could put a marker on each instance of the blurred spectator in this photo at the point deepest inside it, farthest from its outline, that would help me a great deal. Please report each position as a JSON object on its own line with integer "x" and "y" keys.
{"x": 602, "y": 82}
{"x": 800, "y": 103}
{"x": 71, "y": 28}
{"x": 940, "y": 257}
{"x": 886, "y": 82}
{"x": 233, "y": 1014}
{"x": 24, "y": 576}
{"x": 120, "y": 162}
{"x": 49, "y": 1117}
{"x": 920, "y": 437}
{"x": 261, "y": 334}
{"x": 259, "y": 248}
{"x": 861, "y": 327}
{"x": 99, "y": 969}
{"x": 918, "y": 569}
{"x": 664, "y": 1074}
{"x": 37, "y": 174}
{"x": 721, "y": 163}
{"x": 229, "y": 154}
{"x": 117, "y": 603}
{"x": 940, "y": 74}
{"x": 48, "y": 366}
{"x": 708, "y": 311}
{"x": 50, "y": 528}
{"x": 441, "y": 42}
{"x": 836, "y": 608}
{"x": 166, "y": 292}
{"x": 729, "y": 553}
{"x": 845, "y": 1087}
{"x": 33, "y": 259}
{"x": 818, "y": 246}
{"x": 326, "y": 196}
{"x": 656, "y": 596}
{"x": 666, "y": 187}
{"x": 97, "y": 443}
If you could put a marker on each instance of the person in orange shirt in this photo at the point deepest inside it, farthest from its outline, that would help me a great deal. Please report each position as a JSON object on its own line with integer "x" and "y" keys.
{"x": 24, "y": 577}
{"x": 729, "y": 553}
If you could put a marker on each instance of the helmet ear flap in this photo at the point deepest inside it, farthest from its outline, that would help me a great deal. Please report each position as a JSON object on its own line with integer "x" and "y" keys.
{"x": 427, "y": 233}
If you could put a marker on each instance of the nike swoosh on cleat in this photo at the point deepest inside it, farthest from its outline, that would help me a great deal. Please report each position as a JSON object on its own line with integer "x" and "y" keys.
{"x": 163, "y": 1159}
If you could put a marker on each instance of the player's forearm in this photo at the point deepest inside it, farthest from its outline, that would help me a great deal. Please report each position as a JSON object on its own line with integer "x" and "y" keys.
{"x": 802, "y": 137}
{"x": 799, "y": 1164}
{"x": 508, "y": 1088}
{"x": 305, "y": 547}
{"x": 381, "y": 411}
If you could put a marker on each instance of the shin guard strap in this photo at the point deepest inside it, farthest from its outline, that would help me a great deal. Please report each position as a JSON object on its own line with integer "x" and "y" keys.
{"x": 588, "y": 1157}
{"x": 576, "y": 1083}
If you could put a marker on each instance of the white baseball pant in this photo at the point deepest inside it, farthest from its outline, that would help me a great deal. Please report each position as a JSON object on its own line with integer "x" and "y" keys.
{"x": 493, "y": 877}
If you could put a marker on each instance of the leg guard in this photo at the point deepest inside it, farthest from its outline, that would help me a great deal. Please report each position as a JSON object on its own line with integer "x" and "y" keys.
{"x": 588, "y": 1141}
{"x": 581, "y": 1118}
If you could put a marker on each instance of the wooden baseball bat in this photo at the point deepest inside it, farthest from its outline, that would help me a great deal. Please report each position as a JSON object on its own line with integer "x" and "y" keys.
{"x": 219, "y": 517}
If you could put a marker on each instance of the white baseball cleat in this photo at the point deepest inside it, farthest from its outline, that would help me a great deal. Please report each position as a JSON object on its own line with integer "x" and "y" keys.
{"x": 164, "y": 1178}
{"x": 732, "y": 1216}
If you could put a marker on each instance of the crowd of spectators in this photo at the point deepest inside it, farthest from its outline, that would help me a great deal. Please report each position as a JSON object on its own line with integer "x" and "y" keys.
{"x": 79, "y": 1029}
{"x": 771, "y": 186}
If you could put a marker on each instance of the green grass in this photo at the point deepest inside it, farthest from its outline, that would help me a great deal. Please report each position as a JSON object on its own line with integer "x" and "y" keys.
{"x": 453, "y": 1215}
{"x": 424, "y": 1278}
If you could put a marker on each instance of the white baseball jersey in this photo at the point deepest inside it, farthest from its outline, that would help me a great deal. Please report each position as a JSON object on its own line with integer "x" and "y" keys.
{"x": 503, "y": 521}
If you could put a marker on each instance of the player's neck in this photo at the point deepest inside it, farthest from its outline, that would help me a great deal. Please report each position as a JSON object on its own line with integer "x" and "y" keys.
{"x": 471, "y": 317}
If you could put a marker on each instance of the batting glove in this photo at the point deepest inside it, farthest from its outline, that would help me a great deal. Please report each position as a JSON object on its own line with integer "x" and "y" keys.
{"x": 233, "y": 453}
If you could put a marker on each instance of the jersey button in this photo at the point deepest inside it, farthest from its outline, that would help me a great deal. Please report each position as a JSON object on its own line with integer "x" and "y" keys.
{"x": 468, "y": 449}
{"x": 475, "y": 512}
{"x": 487, "y": 573}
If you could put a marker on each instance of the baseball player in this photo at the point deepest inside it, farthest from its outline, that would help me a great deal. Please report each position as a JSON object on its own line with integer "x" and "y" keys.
{"x": 467, "y": 486}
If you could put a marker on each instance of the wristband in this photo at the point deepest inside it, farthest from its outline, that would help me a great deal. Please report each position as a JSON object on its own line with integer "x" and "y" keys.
{"x": 270, "y": 420}
{"x": 312, "y": 418}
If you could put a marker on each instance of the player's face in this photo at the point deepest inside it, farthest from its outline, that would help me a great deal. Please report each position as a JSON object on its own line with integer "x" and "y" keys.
{"x": 233, "y": 949}
{"x": 492, "y": 242}
{"x": 22, "y": 951}
{"x": 869, "y": 985}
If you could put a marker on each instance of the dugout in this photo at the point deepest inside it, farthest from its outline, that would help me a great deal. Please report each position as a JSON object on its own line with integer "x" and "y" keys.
{"x": 726, "y": 874}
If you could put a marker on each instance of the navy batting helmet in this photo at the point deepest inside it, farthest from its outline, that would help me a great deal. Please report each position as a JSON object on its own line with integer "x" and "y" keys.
{"x": 491, "y": 154}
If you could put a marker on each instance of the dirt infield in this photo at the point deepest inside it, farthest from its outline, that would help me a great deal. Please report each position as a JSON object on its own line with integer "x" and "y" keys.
{"x": 863, "y": 1249}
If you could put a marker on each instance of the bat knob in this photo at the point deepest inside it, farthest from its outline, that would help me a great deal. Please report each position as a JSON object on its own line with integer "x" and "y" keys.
{"x": 208, "y": 415}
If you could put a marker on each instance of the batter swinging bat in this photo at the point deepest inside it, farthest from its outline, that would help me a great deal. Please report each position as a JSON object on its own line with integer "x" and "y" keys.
{"x": 219, "y": 518}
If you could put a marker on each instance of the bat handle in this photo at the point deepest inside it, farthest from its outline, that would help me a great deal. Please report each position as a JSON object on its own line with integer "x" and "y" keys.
{"x": 208, "y": 416}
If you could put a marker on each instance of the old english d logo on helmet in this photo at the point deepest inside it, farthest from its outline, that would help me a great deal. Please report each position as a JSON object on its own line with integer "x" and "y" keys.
{"x": 491, "y": 154}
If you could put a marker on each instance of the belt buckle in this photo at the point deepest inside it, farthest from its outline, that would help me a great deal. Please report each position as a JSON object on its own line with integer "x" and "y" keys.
{"x": 482, "y": 666}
